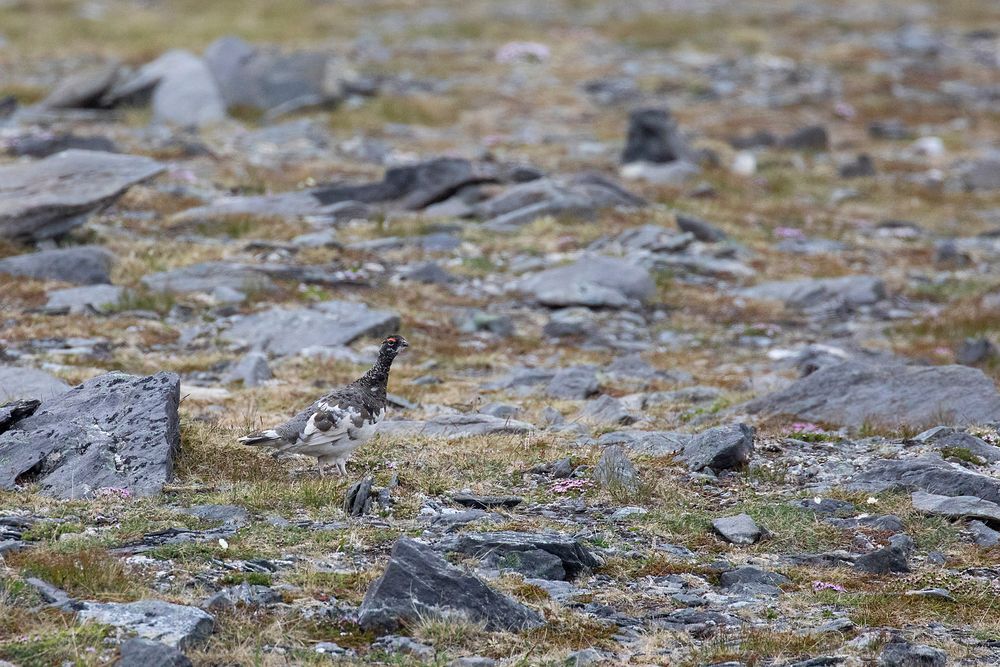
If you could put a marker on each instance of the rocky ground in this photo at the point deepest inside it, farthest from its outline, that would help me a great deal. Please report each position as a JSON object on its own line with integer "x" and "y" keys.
{"x": 700, "y": 299}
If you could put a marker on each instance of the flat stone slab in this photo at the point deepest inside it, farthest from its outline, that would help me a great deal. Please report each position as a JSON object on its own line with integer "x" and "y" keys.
{"x": 850, "y": 291}
{"x": 175, "y": 625}
{"x": 455, "y": 426}
{"x": 852, "y": 393}
{"x": 43, "y": 199}
{"x": 208, "y": 276}
{"x": 115, "y": 431}
{"x": 956, "y": 507}
{"x": 287, "y": 331}
{"x": 80, "y": 265}
{"x": 19, "y": 383}
{"x": 594, "y": 282}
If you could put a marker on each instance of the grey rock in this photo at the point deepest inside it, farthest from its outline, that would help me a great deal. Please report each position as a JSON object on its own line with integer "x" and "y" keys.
{"x": 575, "y": 557}
{"x": 593, "y": 282}
{"x": 139, "y": 652}
{"x": 44, "y": 145}
{"x": 983, "y": 535}
{"x": 252, "y": 77}
{"x": 740, "y": 529}
{"x": 943, "y": 437}
{"x": 84, "y": 89}
{"x": 811, "y": 138}
{"x": 674, "y": 174}
{"x": 243, "y": 595}
{"x": 904, "y": 654}
{"x": 175, "y": 625}
{"x": 942, "y": 594}
{"x": 825, "y": 506}
{"x": 888, "y": 523}
{"x": 473, "y": 661}
{"x": 809, "y": 293}
{"x": 455, "y": 426}
{"x": 853, "y": 393}
{"x": 429, "y": 273}
{"x": 52, "y": 596}
{"x": 44, "y": 199}
{"x": 290, "y": 206}
{"x": 861, "y": 167}
{"x": 573, "y": 383}
{"x": 615, "y": 472}
{"x": 892, "y": 129}
{"x": 703, "y": 231}
{"x": 983, "y": 175}
{"x": 21, "y": 383}
{"x": 208, "y": 276}
{"x": 955, "y": 507}
{"x": 486, "y": 502}
{"x": 252, "y": 370}
{"x": 926, "y": 474}
{"x": 973, "y": 351}
{"x": 15, "y": 411}
{"x": 113, "y": 431}
{"x": 570, "y": 322}
{"x": 654, "y": 443}
{"x": 358, "y": 499}
{"x": 406, "y": 646}
{"x": 653, "y": 136}
{"x": 585, "y": 658}
{"x": 287, "y": 331}
{"x": 414, "y": 186}
{"x": 501, "y": 410}
{"x": 81, "y": 265}
{"x": 605, "y": 410}
{"x": 893, "y": 558}
{"x": 229, "y": 515}
{"x": 418, "y": 583}
{"x": 751, "y": 575}
{"x": 85, "y": 298}
{"x": 185, "y": 92}
{"x": 720, "y": 448}
{"x": 474, "y": 320}
{"x": 534, "y": 564}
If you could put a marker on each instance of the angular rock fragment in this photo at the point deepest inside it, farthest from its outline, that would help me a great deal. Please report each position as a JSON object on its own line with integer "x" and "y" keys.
{"x": 418, "y": 583}
{"x": 44, "y": 199}
{"x": 740, "y": 529}
{"x": 114, "y": 431}
{"x": 175, "y": 625}
{"x": 575, "y": 557}
{"x": 81, "y": 265}
{"x": 720, "y": 448}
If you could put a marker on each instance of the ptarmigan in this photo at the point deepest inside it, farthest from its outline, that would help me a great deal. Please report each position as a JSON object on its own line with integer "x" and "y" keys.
{"x": 340, "y": 422}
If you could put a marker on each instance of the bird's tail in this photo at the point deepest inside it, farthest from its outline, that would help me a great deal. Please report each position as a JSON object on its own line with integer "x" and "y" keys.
{"x": 268, "y": 438}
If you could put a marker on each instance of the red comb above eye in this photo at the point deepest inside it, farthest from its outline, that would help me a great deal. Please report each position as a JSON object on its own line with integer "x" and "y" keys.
{"x": 391, "y": 339}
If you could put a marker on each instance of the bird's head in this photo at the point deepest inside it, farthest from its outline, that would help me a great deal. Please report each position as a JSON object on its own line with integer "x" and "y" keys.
{"x": 392, "y": 346}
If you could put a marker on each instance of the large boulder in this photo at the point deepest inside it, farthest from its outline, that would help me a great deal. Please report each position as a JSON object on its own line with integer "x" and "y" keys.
{"x": 287, "y": 331}
{"x": 81, "y": 265}
{"x": 418, "y": 583}
{"x": 208, "y": 276}
{"x": 256, "y": 78}
{"x": 852, "y": 393}
{"x": 931, "y": 475}
{"x": 19, "y": 383}
{"x": 43, "y": 199}
{"x": 113, "y": 431}
{"x": 455, "y": 426}
{"x": 720, "y": 448}
{"x": 593, "y": 281}
{"x": 175, "y": 625}
{"x": 574, "y": 557}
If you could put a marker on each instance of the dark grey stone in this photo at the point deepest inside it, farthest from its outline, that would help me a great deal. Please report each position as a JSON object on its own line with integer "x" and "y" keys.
{"x": 861, "y": 167}
{"x": 853, "y": 393}
{"x": 720, "y": 448}
{"x": 956, "y": 507}
{"x": 573, "y": 383}
{"x": 703, "y": 231}
{"x": 810, "y": 138}
{"x": 114, "y": 431}
{"x": 751, "y": 575}
{"x": 615, "y": 472}
{"x": 252, "y": 370}
{"x": 973, "y": 351}
{"x": 535, "y": 564}
{"x": 983, "y": 535}
{"x": 139, "y": 652}
{"x": 429, "y": 273}
{"x": 893, "y": 558}
{"x": 905, "y": 654}
{"x": 605, "y": 410}
{"x": 243, "y": 595}
{"x": 926, "y": 474}
{"x": 84, "y": 89}
{"x": 81, "y": 265}
{"x": 486, "y": 502}
{"x": 653, "y": 136}
{"x": 209, "y": 276}
{"x": 15, "y": 411}
{"x": 847, "y": 292}
{"x": 44, "y": 145}
{"x": 655, "y": 443}
{"x": 358, "y": 499}
{"x": 418, "y": 583}
{"x": 575, "y": 557}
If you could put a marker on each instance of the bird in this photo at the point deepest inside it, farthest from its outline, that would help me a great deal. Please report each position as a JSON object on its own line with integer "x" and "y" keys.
{"x": 338, "y": 423}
